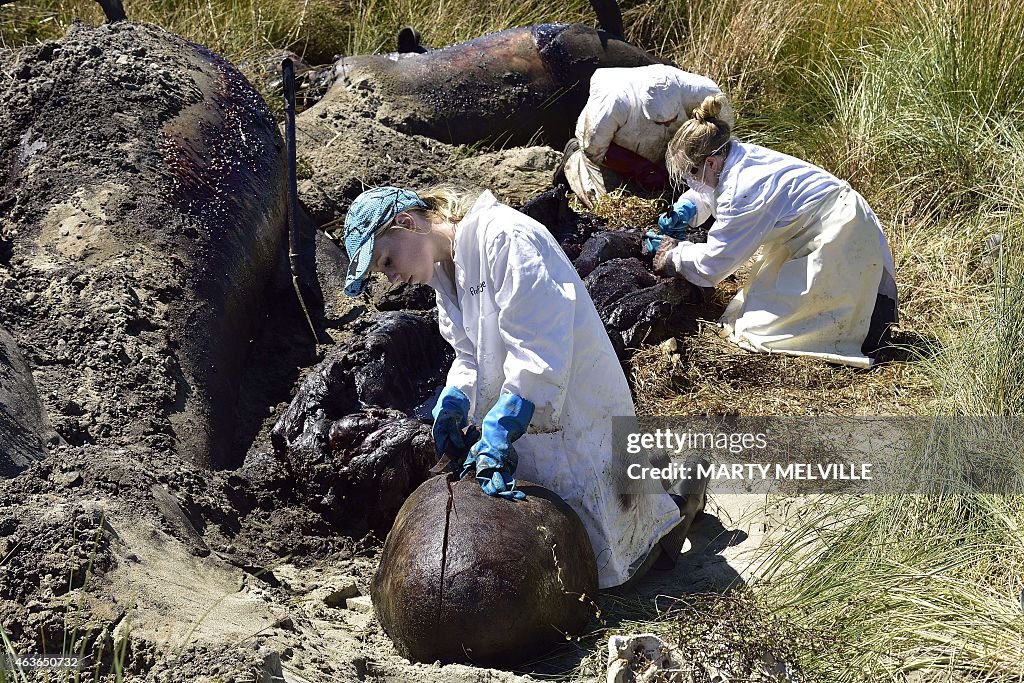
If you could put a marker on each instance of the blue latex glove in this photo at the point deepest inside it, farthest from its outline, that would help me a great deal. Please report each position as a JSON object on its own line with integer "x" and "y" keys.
{"x": 493, "y": 456}
{"x": 451, "y": 414}
{"x": 675, "y": 221}
{"x": 651, "y": 241}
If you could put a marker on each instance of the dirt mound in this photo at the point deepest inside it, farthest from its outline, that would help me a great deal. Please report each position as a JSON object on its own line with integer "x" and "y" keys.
{"x": 344, "y": 150}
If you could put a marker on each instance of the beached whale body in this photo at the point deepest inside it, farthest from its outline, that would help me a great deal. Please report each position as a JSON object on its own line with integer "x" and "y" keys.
{"x": 146, "y": 168}
{"x": 515, "y": 87}
{"x": 483, "y": 580}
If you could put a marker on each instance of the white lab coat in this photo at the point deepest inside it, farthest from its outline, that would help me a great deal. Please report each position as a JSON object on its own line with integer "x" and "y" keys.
{"x": 520, "y": 320}
{"x": 625, "y": 103}
{"x": 823, "y": 259}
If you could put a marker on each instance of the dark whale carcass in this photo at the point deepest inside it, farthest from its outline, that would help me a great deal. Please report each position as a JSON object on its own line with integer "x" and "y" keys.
{"x": 143, "y": 177}
{"x": 392, "y": 361}
{"x": 357, "y": 471}
{"x": 466, "y": 577}
{"x": 514, "y": 87}
{"x": 638, "y": 307}
{"x": 347, "y": 440}
{"x": 24, "y": 427}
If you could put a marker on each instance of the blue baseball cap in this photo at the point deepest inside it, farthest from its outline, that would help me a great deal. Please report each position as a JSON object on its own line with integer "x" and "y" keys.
{"x": 371, "y": 210}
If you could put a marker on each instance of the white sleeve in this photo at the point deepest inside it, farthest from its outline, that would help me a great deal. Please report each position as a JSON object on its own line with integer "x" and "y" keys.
{"x": 731, "y": 241}
{"x": 462, "y": 373}
{"x": 535, "y": 319}
{"x": 597, "y": 125}
{"x": 705, "y": 204}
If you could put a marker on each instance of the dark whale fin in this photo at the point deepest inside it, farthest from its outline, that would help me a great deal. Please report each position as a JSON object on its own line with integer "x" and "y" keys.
{"x": 113, "y": 9}
{"x": 609, "y": 16}
{"x": 409, "y": 41}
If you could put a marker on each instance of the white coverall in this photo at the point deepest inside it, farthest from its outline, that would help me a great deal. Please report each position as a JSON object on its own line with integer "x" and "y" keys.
{"x": 520, "y": 320}
{"x": 624, "y": 107}
{"x": 823, "y": 258}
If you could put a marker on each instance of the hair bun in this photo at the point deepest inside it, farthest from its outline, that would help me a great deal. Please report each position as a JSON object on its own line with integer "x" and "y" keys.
{"x": 710, "y": 108}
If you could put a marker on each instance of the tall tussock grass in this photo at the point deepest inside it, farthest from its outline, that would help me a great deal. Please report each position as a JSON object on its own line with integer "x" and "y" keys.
{"x": 914, "y": 585}
{"x": 919, "y": 106}
{"x": 316, "y": 29}
{"x": 923, "y": 116}
{"x": 237, "y": 30}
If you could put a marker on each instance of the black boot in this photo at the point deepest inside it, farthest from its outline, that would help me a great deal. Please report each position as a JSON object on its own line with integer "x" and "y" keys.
{"x": 690, "y": 506}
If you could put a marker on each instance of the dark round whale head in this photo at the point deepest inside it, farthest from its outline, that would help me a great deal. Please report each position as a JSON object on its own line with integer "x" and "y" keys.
{"x": 465, "y": 577}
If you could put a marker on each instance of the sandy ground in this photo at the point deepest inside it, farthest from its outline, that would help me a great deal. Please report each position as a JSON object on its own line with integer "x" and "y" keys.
{"x": 196, "y": 606}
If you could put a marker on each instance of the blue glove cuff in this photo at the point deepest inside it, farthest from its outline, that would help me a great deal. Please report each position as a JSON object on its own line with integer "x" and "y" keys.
{"x": 493, "y": 458}
{"x": 685, "y": 208}
{"x": 675, "y": 221}
{"x": 507, "y": 419}
{"x": 494, "y": 472}
{"x": 452, "y": 399}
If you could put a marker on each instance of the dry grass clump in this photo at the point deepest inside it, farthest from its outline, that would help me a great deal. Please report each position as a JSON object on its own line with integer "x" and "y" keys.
{"x": 623, "y": 209}
{"x": 717, "y": 637}
{"x": 712, "y": 376}
{"x": 707, "y": 375}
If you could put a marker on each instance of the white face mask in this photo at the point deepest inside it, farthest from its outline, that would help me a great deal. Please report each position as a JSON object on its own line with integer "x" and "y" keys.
{"x": 698, "y": 184}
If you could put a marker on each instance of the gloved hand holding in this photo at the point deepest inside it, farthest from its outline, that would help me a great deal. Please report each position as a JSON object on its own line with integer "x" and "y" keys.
{"x": 662, "y": 263}
{"x": 493, "y": 457}
{"x": 675, "y": 221}
{"x": 651, "y": 241}
{"x": 451, "y": 414}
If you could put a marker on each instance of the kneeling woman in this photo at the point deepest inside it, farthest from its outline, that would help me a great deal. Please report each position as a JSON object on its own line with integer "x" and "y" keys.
{"x": 823, "y": 284}
{"x": 532, "y": 358}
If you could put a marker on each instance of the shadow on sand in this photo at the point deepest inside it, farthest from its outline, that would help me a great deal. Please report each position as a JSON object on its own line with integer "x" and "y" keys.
{"x": 701, "y": 569}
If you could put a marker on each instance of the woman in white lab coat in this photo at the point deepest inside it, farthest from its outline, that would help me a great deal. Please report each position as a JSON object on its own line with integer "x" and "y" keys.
{"x": 533, "y": 361}
{"x": 823, "y": 282}
{"x": 628, "y": 120}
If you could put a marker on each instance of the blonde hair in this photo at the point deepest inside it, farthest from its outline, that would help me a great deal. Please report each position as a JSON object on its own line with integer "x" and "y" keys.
{"x": 445, "y": 203}
{"x": 700, "y": 136}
